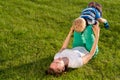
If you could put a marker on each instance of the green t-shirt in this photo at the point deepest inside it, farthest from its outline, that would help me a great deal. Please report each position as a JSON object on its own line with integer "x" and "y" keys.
{"x": 85, "y": 39}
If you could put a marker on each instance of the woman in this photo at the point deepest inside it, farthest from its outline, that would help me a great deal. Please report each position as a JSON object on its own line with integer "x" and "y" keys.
{"x": 75, "y": 57}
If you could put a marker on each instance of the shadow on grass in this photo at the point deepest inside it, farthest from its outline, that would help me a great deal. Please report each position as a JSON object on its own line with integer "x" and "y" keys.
{"x": 29, "y": 71}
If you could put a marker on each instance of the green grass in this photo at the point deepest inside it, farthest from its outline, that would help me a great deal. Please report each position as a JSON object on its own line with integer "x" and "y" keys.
{"x": 32, "y": 31}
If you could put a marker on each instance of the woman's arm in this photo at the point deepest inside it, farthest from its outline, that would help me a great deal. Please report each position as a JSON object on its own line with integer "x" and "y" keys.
{"x": 88, "y": 56}
{"x": 67, "y": 40}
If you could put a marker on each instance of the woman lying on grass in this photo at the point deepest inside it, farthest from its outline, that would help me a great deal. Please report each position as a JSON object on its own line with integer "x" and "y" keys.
{"x": 75, "y": 57}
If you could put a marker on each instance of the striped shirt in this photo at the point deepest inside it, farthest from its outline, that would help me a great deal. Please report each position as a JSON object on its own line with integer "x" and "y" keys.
{"x": 90, "y": 15}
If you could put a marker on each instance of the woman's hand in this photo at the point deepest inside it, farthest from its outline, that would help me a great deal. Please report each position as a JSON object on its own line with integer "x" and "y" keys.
{"x": 72, "y": 29}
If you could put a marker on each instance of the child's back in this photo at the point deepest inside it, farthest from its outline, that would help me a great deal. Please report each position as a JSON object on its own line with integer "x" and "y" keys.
{"x": 90, "y": 15}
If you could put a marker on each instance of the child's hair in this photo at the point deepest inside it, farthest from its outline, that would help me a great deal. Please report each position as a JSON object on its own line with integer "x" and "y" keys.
{"x": 99, "y": 7}
{"x": 96, "y": 5}
{"x": 92, "y": 4}
{"x": 79, "y": 24}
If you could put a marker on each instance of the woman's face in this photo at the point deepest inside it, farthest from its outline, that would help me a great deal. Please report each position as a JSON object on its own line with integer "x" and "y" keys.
{"x": 58, "y": 65}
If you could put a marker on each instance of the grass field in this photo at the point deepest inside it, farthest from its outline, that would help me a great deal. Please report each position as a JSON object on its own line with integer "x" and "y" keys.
{"x": 32, "y": 31}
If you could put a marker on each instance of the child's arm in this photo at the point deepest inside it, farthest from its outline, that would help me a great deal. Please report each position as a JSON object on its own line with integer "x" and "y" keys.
{"x": 102, "y": 20}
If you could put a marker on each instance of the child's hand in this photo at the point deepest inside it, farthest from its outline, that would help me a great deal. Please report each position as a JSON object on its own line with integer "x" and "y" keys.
{"x": 106, "y": 25}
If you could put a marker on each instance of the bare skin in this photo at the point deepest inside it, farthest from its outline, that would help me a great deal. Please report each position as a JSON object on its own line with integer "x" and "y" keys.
{"x": 102, "y": 20}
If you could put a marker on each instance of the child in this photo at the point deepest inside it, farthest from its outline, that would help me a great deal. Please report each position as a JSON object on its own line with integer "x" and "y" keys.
{"x": 93, "y": 13}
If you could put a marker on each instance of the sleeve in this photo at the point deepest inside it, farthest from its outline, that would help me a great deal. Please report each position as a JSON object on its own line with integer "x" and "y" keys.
{"x": 57, "y": 55}
{"x": 97, "y": 14}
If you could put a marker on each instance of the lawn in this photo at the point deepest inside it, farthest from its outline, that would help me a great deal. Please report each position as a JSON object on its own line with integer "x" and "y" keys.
{"x": 32, "y": 31}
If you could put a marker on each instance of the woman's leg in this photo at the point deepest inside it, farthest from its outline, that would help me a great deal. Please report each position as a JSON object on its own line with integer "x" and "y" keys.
{"x": 89, "y": 38}
{"x": 78, "y": 39}
{"x": 85, "y": 39}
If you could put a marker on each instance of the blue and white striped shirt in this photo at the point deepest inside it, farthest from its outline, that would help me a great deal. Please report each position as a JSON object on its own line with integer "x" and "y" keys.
{"x": 90, "y": 15}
